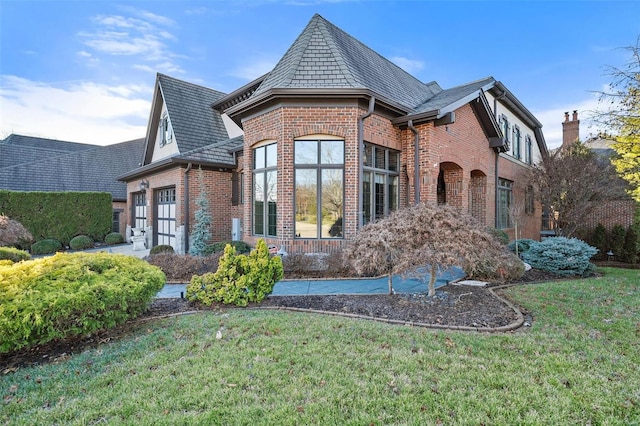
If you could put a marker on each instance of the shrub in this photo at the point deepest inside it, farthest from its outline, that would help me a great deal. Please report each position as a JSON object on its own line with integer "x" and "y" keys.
{"x": 630, "y": 246}
{"x": 162, "y": 248}
{"x": 240, "y": 246}
{"x": 562, "y": 256}
{"x": 616, "y": 240}
{"x": 500, "y": 235}
{"x": 240, "y": 279}
{"x": 13, "y": 254}
{"x": 113, "y": 238}
{"x": 72, "y": 294}
{"x": 46, "y": 246}
{"x": 181, "y": 267}
{"x": 523, "y": 245}
{"x": 13, "y": 234}
{"x": 81, "y": 242}
{"x": 599, "y": 239}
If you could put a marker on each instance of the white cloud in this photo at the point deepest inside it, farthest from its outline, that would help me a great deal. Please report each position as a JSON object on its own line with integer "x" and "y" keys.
{"x": 409, "y": 65}
{"x": 82, "y": 112}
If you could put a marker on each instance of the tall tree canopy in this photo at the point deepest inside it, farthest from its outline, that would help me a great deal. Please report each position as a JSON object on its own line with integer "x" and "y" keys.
{"x": 622, "y": 116}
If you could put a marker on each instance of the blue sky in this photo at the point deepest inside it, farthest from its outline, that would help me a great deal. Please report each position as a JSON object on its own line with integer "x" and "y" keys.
{"x": 84, "y": 71}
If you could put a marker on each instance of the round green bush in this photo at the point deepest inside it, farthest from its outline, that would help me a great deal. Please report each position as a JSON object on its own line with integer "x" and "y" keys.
{"x": 523, "y": 245}
{"x": 13, "y": 254}
{"x": 561, "y": 255}
{"x": 71, "y": 294}
{"x": 240, "y": 246}
{"x": 113, "y": 238}
{"x": 162, "y": 248}
{"x": 46, "y": 246}
{"x": 81, "y": 242}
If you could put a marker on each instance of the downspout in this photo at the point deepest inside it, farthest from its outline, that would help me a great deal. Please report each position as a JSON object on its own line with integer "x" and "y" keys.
{"x": 372, "y": 104}
{"x": 416, "y": 161}
{"x": 186, "y": 208}
{"x": 497, "y": 179}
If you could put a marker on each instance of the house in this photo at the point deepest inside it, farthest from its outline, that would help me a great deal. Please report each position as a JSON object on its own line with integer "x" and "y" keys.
{"x": 620, "y": 211}
{"x": 335, "y": 136}
{"x": 38, "y": 164}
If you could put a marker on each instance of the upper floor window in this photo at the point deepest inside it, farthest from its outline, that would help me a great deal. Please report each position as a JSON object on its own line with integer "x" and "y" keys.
{"x": 505, "y": 126}
{"x": 265, "y": 190}
{"x": 516, "y": 142}
{"x": 528, "y": 150}
{"x": 319, "y": 188}
{"x": 380, "y": 182}
{"x": 166, "y": 130}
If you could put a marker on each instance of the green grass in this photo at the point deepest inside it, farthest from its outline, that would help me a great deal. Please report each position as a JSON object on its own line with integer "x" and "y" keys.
{"x": 578, "y": 364}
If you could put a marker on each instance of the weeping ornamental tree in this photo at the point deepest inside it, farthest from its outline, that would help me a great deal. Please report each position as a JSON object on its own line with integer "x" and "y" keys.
{"x": 201, "y": 234}
{"x": 432, "y": 237}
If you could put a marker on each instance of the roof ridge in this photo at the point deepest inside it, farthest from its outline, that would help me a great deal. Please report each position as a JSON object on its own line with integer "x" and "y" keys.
{"x": 188, "y": 83}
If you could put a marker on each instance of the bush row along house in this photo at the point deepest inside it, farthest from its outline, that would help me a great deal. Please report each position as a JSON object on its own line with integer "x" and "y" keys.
{"x": 335, "y": 136}
{"x": 30, "y": 163}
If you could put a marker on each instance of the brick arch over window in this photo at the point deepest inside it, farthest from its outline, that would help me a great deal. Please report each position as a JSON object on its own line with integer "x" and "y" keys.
{"x": 320, "y": 129}
{"x": 478, "y": 195}
{"x": 450, "y": 185}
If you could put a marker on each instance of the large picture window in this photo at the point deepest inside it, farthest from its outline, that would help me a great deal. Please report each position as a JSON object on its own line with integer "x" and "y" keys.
{"x": 380, "y": 182}
{"x": 319, "y": 188}
{"x": 265, "y": 190}
{"x": 505, "y": 199}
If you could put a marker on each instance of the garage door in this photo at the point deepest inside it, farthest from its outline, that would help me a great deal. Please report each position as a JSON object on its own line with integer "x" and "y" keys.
{"x": 166, "y": 217}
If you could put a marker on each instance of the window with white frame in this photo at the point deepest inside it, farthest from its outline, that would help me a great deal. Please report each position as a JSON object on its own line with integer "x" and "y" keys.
{"x": 319, "y": 188}
{"x": 379, "y": 182}
{"x": 265, "y": 190}
{"x": 505, "y": 199}
{"x": 166, "y": 131}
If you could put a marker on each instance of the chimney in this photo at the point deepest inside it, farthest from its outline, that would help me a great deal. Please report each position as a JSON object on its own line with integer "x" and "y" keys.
{"x": 570, "y": 129}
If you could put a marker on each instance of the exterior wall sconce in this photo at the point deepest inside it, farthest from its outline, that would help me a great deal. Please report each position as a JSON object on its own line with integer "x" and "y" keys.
{"x": 144, "y": 185}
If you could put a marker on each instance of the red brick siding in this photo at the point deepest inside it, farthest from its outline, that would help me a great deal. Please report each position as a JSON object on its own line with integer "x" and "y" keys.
{"x": 617, "y": 212}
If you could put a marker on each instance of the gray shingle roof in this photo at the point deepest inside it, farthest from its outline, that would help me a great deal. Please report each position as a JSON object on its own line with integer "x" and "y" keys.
{"x": 94, "y": 169}
{"x": 195, "y": 124}
{"x": 216, "y": 153}
{"x": 324, "y": 56}
{"x": 43, "y": 143}
{"x": 455, "y": 94}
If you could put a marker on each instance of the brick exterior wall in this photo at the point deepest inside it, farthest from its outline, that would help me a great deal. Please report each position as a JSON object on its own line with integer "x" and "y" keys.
{"x": 617, "y": 212}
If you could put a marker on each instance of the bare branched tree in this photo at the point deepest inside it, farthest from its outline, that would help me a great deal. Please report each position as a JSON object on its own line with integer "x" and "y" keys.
{"x": 571, "y": 182}
{"x": 435, "y": 237}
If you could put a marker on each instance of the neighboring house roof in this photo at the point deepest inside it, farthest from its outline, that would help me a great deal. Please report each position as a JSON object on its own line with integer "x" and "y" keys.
{"x": 92, "y": 168}
{"x": 195, "y": 123}
{"x": 43, "y": 143}
{"x": 601, "y": 146}
{"x": 324, "y": 56}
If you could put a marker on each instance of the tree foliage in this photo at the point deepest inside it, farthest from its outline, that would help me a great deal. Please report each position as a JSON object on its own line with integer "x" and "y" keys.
{"x": 571, "y": 182}
{"x": 620, "y": 112}
{"x": 435, "y": 237}
{"x": 201, "y": 234}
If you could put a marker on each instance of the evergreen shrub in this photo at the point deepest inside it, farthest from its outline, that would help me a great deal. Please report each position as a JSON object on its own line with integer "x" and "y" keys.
{"x": 13, "y": 254}
{"x": 71, "y": 294}
{"x": 182, "y": 267}
{"x": 240, "y": 246}
{"x": 599, "y": 240}
{"x": 81, "y": 242}
{"x": 616, "y": 240}
{"x": 46, "y": 246}
{"x": 113, "y": 238}
{"x": 630, "y": 246}
{"x": 240, "y": 279}
{"x": 523, "y": 245}
{"x": 500, "y": 235}
{"x": 162, "y": 248}
{"x": 562, "y": 256}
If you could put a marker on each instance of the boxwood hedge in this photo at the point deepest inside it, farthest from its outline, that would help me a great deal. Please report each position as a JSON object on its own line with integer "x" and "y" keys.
{"x": 72, "y": 294}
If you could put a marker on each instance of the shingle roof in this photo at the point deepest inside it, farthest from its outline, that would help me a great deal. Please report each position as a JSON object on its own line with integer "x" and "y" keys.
{"x": 195, "y": 124}
{"x": 43, "y": 143}
{"x": 451, "y": 96}
{"x": 216, "y": 153}
{"x": 324, "y": 56}
{"x": 94, "y": 169}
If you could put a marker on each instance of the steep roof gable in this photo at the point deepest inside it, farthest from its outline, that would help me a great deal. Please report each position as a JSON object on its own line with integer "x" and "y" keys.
{"x": 324, "y": 56}
{"x": 195, "y": 124}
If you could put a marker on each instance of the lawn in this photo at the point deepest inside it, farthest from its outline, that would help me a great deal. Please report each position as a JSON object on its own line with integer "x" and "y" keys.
{"x": 577, "y": 364}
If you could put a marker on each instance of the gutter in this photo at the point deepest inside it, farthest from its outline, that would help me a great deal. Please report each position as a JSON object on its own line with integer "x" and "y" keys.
{"x": 372, "y": 104}
{"x": 416, "y": 162}
{"x": 186, "y": 208}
